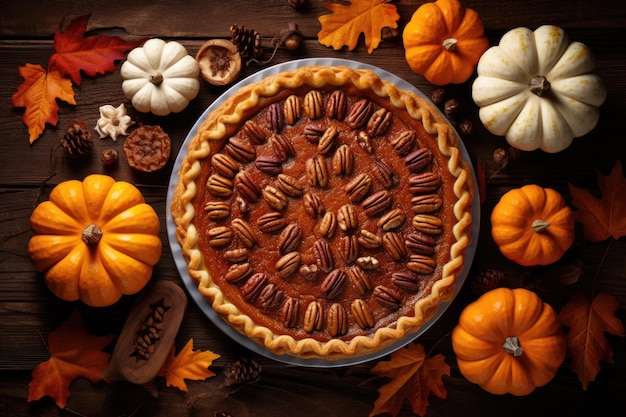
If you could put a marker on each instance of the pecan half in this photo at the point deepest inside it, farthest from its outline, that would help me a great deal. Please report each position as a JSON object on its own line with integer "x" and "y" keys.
{"x": 362, "y": 314}
{"x": 419, "y": 159}
{"x": 406, "y": 280}
{"x": 275, "y": 198}
{"x": 289, "y": 238}
{"x": 290, "y": 186}
{"x": 333, "y": 283}
{"x": 359, "y": 113}
{"x": 328, "y": 224}
{"x": 220, "y": 236}
{"x": 269, "y": 164}
{"x": 247, "y": 187}
{"x": 240, "y": 149}
{"x": 308, "y": 272}
{"x": 271, "y": 296}
{"x": 349, "y": 248}
{"x": 282, "y": 146}
{"x": 313, "y": 104}
{"x": 394, "y": 245}
{"x": 364, "y": 141}
{"x": 427, "y": 203}
{"x": 358, "y": 187}
{"x": 220, "y": 186}
{"x": 377, "y": 203}
{"x": 337, "y": 105}
{"x": 369, "y": 240}
{"x": 254, "y": 132}
{"x": 391, "y": 220}
{"x": 420, "y": 244}
{"x": 427, "y": 223}
{"x": 314, "y": 131}
{"x": 380, "y": 122}
{"x": 337, "y": 320}
{"x": 359, "y": 280}
{"x": 313, "y": 205}
{"x": 288, "y": 264}
{"x": 323, "y": 255}
{"x": 254, "y": 285}
{"x": 367, "y": 262}
{"x": 343, "y": 161}
{"x": 290, "y": 312}
{"x": 327, "y": 141}
{"x": 224, "y": 165}
{"x": 384, "y": 175}
{"x": 217, "y": 210}
{"x": 317, "y": 171}
{"x": 313, "y": 317}
{"x": 388, "y": 297}
{"x": 271, "y": 222}
{"x": 421, "y": 264}
{"x": 244, "y": 232}
{"x": 236, "y": 256}
{"x": 292, "y": 109}
{"x": 404, "y": 141}
{"x": 347, "y": 218}
{"x": 275, "y": 116}
{"x": 237, "y": 272}
{"x": 424, "y": 183}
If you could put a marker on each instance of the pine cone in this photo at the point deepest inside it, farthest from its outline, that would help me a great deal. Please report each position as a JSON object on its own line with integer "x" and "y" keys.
{"x": 487, "y": 280}
{"x": 77, "y": 140}
{"x": 248, "y": 41}
{"x": 242, "y": 371}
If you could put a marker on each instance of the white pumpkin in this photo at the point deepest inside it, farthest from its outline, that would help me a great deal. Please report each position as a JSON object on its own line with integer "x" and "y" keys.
{"x": 537, "y": 90}
{"x": 160, "y": 77}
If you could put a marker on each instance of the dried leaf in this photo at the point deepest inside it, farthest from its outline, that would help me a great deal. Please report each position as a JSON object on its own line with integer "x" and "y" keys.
{"x": 603, "y": 217}
{"x": 92, "y": 54}
{"x": 344, "y": 25}
{"x": 38, "y": 94}
{"x": 74, "y": 353}
{"x": 586, "y": 342}
{"x": 413, "y": 377}
{"x": 189, "y": 364}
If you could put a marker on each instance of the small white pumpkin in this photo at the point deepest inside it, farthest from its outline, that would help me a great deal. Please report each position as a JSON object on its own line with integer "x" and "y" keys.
{"x": 160, "y": 77}
{"x": 537, "y": 90}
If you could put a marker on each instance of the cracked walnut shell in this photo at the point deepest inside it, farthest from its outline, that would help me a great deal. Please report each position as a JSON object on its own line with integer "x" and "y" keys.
{"x": 147, "y": 148}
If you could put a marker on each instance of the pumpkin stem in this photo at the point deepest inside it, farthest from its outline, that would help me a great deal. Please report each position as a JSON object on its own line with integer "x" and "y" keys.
{"x": 450, "y": 44}
{"x": 511, "y": 346}
{"x": 92, "y": 234}
{"x": 539, "y": 225}
{"x": 539, "y": 85}
{"x": 156, "y": 78}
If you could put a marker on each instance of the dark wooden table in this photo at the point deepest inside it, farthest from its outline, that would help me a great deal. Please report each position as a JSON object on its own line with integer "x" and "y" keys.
{"x": 28, "y": 311}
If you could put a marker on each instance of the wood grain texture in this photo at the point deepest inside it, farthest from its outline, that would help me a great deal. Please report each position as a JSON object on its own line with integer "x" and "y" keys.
{"x": 28, "y": 311}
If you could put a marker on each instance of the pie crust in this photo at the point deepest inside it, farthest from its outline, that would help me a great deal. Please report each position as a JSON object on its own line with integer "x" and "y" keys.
{"x": 275, "y": 286}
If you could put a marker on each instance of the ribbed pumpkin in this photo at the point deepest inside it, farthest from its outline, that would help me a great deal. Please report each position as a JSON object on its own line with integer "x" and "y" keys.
{"x": 509, "y": 341}
{"x": 532, "y": 225}
{"x": 443, "y": 41}
{"x": 95, "y": 240}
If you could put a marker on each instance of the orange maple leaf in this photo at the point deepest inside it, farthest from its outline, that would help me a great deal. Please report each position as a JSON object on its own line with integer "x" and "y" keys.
{"x": 38, "y": 94}
{"x": 74, "y": 353}
{"x": 586, "y": 343}
{"x": 92, "y": 54}
{"x": 189, "y": 364}
{"x": 606, "y": 216}
{"x": 344, "y": 25}
{"x": 413, "y": 377}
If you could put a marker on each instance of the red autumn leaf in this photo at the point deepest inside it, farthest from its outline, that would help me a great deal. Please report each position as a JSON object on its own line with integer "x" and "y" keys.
{"x": 586, "y": 342}
{"x": 413, "y": 377}
{"x": 603, "y": 217}
{"x": 344, "y": 25}
{"x": 92, "y": 54}
{"x": 38, "y": 94}
{"x": 189, "y": 364}
{"x": 74, "y": 354}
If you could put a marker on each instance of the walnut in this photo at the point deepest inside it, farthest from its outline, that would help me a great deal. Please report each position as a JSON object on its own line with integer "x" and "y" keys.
{"x": 147, "y": 148}
{"x": 113, "y": 122}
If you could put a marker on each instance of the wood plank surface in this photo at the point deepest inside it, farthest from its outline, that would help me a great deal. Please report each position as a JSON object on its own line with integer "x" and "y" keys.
{"x": 28, "y": 311}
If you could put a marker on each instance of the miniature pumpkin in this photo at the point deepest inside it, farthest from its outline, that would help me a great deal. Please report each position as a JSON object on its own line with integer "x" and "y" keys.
{"x": 532, "y": 225}
{"x": 95, "y": 240}
{"x": 536, "y": 89}
{"x": 160, "y": 77}
{"x": 443, "y": 41}
{"x": 509, "y": 341}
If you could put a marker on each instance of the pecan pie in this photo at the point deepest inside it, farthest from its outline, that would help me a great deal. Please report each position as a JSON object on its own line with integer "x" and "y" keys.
{"x": 324, "y": 212}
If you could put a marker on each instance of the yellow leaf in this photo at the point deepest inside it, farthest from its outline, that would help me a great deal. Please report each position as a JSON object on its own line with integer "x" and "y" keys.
{"x": 413, "y": 377}
{"x": 346, "y": 23}
{"x": 38, "y": 93}
{"x": 189, "y": 364}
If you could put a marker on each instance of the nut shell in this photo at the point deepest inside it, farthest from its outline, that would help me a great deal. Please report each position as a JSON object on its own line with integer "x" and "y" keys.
{"x": 220, "y": 62}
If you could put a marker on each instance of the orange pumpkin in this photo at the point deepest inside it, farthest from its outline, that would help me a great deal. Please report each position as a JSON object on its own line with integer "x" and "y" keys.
{"x": 532, "y": 225}
{"x": 443, "y": 41}
{"x": 95, "y": 240}
{"x": 509, "y": 341}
